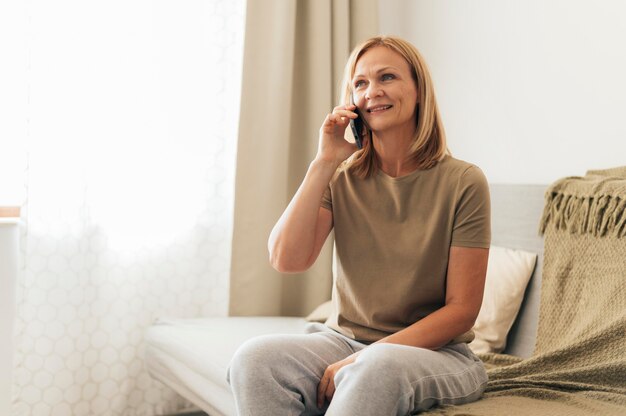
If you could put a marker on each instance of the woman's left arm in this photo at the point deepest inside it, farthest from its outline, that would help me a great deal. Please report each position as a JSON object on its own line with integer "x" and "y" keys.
{"x": 465, "y": 283}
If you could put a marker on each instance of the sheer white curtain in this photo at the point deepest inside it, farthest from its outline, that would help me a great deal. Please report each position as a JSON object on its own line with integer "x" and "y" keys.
{"x": 131, "y": 137}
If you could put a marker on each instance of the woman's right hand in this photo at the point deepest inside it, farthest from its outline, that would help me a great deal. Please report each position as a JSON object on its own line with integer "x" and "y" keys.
{"x": 333, "y": 147}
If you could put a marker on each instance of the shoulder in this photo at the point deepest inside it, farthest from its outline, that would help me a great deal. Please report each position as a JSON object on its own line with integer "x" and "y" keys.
{"x": 342, "y": 173}
{"x": 469, "y": 182}
{"x": 459, "y": 171}
{"x": 459, "y": 167}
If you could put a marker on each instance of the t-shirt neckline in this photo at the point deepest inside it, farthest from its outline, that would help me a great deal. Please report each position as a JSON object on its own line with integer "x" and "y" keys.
{"x": 406, "y": 177}
{"x": 396, "y": 179}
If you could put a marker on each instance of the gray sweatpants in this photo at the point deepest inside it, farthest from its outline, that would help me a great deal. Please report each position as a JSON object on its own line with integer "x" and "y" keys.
{"x": 278, "y": 375}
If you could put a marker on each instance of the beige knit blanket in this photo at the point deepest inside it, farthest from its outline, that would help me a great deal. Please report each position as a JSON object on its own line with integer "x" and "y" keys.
{"x": 579, "y": 363}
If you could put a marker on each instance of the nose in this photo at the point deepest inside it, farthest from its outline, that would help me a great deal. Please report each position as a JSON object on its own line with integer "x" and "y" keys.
{"x": 373, "y": 90}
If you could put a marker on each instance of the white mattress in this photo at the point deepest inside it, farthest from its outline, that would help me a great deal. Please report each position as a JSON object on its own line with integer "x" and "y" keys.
{"x": 192, "y": 356}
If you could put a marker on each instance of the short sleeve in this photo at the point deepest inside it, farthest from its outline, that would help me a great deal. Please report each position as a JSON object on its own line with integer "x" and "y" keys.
{"x": 472, "y": 216}
{"x": 327, "y": 198}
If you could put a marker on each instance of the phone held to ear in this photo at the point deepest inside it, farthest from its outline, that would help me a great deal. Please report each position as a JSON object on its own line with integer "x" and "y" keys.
{"x": 357, "y": 126}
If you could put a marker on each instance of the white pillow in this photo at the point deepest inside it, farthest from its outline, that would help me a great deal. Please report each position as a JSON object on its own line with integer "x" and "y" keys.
{"x": 508, "y": 273}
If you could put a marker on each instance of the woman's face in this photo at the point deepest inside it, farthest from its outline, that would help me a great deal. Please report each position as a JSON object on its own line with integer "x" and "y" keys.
{"x": 385, "y": 91}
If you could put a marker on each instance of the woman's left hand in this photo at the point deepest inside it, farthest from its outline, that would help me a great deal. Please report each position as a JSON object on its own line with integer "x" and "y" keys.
{"x": 326, "y": 387}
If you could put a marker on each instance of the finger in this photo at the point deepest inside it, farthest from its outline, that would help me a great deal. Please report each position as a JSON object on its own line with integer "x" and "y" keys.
{"x": 346, "y": 113}
{"x": 330, "y": 390}
{"x": 321, "y": 390}
{"x": 343, "y": 107}
{"x": 336, "y": 120}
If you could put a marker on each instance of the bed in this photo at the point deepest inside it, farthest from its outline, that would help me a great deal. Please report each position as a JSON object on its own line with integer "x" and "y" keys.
{"x": 192, "y": 356}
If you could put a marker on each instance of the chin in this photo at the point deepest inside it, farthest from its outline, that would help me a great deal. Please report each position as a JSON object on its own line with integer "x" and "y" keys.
{"x": 386, "y": 125}
{"x": 379, "y": 124}
{"x": 380, "y": 127}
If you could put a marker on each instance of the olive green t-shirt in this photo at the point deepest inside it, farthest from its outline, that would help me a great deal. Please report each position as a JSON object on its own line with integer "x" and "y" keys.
{"x": 392, "y": 240}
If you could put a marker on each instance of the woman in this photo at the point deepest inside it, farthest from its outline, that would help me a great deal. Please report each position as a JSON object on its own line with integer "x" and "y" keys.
{"x": 412, "y": 235}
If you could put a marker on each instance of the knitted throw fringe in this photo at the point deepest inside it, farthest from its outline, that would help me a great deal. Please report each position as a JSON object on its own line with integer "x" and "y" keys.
{"x": 592, "y": 204}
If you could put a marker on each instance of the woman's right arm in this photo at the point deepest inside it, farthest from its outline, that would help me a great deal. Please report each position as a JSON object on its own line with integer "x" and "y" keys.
{"x": 299, "y": 235}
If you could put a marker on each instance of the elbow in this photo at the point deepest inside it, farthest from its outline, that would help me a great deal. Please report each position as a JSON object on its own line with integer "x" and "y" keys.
{"x": 285, "y": 263}
{"x": 468, "y": 321}
{"x": 468, "y": 325}
{"x": 465, "y": 317}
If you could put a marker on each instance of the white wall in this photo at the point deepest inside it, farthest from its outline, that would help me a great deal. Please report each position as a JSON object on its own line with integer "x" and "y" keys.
{"x": 529, "y": 90}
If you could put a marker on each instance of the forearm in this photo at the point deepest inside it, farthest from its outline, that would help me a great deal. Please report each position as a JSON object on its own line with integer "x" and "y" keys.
{"x": 292, "y": 239}
{"x": 435, "y": 330}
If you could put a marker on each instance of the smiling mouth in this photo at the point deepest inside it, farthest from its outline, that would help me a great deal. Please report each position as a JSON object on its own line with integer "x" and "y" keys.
{"x": 379, "y": 108}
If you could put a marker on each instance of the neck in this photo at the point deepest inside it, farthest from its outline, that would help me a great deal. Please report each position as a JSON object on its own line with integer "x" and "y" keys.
{"x": 393, "y": 152}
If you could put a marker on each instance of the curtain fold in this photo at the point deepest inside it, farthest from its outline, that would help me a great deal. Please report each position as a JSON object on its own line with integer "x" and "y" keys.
{"x": 294, "y": 54}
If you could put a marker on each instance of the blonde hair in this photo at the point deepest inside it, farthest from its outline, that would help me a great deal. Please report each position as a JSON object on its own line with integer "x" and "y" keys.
{"x": 429, "y": 143}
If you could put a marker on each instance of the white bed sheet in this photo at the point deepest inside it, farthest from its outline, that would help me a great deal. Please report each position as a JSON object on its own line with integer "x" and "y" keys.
{"x": 184, "y": 355}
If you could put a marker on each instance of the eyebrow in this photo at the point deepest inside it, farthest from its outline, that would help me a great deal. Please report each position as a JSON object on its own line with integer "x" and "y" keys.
{"x": 378, "y": 71}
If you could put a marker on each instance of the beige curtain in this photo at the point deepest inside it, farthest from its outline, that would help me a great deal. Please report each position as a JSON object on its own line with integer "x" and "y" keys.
{"x": 294, "y": 55}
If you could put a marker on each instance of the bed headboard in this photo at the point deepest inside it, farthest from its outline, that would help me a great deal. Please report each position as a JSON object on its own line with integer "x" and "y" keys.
{"x": 515, "y": 214}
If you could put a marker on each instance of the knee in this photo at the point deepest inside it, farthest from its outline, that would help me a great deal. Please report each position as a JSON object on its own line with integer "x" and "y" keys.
{"x": 379, "y": 363}
{"x": 253, "y": 359}
{"x": 384, "y": 359}
{"x": 379, "y": 368}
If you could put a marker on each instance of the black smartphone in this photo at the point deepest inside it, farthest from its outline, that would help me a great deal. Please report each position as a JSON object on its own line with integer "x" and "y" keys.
{"x": 356, "y": 124}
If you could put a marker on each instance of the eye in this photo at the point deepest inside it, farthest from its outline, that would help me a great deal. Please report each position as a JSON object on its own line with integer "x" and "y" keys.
{"x": 386, "y": 77}
{"x": 358, "y": 83}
